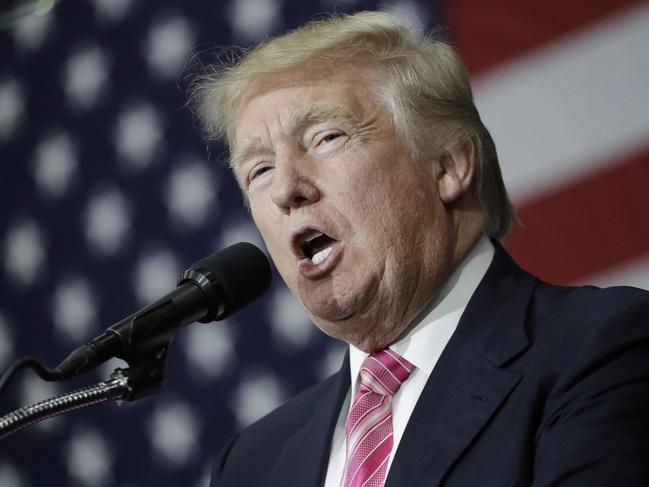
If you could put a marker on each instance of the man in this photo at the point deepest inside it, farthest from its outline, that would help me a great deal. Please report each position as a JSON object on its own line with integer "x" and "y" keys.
{"x": 377, "y": 191}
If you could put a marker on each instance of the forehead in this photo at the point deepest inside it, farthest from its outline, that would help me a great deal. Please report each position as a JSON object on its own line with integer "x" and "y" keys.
{"x": 306, "y": 94}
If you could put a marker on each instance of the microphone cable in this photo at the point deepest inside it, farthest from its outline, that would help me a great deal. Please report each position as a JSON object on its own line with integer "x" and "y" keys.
{"x": 27, "y": 362}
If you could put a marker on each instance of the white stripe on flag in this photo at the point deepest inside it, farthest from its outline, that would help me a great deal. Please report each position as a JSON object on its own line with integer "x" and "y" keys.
{"x": 571, "y": 108}
{"x": 634, "y": 273}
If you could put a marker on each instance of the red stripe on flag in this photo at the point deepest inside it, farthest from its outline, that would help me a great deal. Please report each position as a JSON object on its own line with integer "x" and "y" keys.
{"x": 587, "y": 227}
{"x": 488, "y": 33}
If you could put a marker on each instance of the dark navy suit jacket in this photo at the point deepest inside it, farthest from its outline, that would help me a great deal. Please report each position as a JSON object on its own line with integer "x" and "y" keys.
{"x": 540, "y": 385}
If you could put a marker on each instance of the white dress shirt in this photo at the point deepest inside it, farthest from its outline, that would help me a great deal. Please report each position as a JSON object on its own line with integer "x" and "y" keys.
{"x": 422, "y": 347}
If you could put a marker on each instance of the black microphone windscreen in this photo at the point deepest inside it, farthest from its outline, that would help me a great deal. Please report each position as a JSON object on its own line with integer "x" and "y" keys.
{"x": 242, "y": 273}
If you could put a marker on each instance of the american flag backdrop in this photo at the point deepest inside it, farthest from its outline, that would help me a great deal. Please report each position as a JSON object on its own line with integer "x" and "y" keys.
{"x": 107, "y": 193}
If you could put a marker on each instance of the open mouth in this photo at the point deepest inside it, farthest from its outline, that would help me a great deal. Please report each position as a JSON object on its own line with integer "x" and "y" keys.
{"x": 316, "y": 246}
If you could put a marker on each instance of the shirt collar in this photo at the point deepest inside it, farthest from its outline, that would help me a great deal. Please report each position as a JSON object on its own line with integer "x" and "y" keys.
{"x": 424, "y": 344}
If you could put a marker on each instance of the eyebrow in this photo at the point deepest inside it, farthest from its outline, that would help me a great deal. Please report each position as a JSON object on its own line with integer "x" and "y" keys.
{"x": 238, "y": 155}
{"x": 303, "y": 117}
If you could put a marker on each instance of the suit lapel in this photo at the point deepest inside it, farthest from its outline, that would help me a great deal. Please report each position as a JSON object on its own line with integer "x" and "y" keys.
{"x": 470, "y": 380}
{"x": 305, "y": 455}
{"x": 456, "y": 403}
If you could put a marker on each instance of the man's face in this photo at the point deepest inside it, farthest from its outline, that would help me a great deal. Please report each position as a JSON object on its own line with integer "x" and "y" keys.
{"x": 355, "y": 227}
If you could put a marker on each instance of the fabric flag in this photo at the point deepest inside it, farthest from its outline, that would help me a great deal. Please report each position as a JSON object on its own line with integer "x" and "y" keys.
{"x": 107, "y": 192}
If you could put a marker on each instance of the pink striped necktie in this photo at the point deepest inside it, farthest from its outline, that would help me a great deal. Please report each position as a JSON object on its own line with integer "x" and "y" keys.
{"x": 368, "y": 429}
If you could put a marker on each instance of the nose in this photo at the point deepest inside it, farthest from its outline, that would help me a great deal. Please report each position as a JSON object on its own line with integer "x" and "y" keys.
{"x": 293, "y": 184}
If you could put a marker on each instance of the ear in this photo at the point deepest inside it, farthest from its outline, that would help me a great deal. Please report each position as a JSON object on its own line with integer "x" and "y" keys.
{"x": 456, "y": 169}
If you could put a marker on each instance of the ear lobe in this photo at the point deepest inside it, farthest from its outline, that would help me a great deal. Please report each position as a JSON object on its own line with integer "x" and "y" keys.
{"x": 456, "y": 168}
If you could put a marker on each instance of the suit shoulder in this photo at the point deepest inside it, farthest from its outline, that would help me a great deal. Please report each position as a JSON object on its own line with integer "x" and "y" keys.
{"x": 232, "y": 465}
{"x": 285, "y": 420}
{"x": 579, "y": 328}
{"x": 588, "y": 305}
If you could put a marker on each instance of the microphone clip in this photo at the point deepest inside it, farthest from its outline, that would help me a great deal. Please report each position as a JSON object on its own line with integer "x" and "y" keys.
{"x": 145, "y": 374}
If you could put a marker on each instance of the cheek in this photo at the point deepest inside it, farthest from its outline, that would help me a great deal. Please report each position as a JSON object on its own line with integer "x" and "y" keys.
{"x": 275, "y": 236}
{"x": 384, "y": 203}
{"x": 270, "y": 232}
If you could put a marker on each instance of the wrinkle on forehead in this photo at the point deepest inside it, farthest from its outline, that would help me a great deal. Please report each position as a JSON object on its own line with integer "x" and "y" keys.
{"x": 304, "y": 116}
{"x": 317, "y": 75}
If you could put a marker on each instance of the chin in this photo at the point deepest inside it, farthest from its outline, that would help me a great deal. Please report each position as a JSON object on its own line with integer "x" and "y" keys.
{"x": 335, "y": 301}
{"x": 331, "y": 312}
{"x": 346, "y": 321}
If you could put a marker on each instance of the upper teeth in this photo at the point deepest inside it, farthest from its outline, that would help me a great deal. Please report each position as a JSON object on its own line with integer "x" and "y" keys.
{"x": 320, "y": 256}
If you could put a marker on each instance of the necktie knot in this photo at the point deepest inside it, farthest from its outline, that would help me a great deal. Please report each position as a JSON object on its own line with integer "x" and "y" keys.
{"x": 383, "y": 372}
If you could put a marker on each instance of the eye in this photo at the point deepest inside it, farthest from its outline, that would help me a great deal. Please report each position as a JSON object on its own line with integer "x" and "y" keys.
{"x": 258, "y": 171}
{"x": 330, "y": 137}
{"x": 329, "y": 142}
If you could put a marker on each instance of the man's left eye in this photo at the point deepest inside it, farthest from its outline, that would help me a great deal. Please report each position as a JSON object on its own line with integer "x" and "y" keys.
{"x": 331, "y": 137}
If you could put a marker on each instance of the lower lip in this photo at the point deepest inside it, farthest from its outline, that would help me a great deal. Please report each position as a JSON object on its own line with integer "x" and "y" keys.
{"x": 316, "y": 271}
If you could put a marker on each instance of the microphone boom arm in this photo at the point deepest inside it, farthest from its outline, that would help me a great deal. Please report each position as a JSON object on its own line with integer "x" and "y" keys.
{"x": 144, "y": 376}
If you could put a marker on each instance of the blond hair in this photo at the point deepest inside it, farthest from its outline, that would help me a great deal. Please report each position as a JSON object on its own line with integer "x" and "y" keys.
{"x": 427, "y": 90}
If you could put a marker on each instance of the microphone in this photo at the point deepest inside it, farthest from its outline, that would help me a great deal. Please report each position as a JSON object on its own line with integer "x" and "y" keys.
{"x": 211, "y": 289}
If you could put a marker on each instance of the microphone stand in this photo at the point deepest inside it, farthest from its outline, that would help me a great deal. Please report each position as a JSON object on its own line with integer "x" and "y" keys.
{"x": 144, "y": 376}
